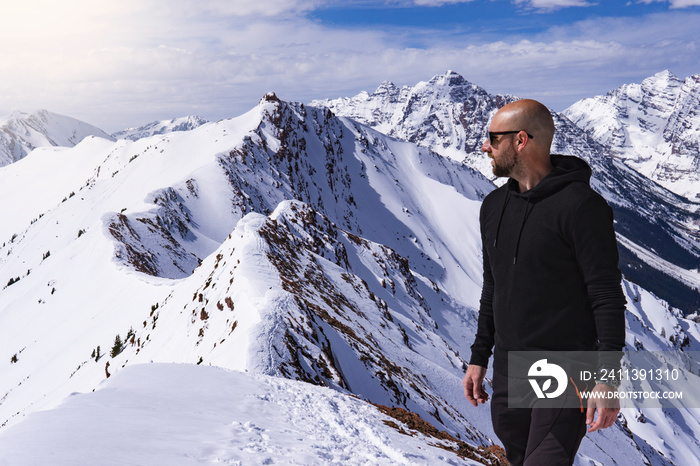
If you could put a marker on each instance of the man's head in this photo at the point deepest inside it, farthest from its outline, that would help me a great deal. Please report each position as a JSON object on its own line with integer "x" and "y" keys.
{"x": 520, "y": 137}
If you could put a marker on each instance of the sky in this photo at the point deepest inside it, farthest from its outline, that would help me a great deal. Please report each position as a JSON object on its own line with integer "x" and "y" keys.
{"x": 124, "y": 64}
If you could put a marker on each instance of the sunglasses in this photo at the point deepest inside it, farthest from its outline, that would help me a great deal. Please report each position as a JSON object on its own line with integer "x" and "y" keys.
{"x": 493, "y": 136}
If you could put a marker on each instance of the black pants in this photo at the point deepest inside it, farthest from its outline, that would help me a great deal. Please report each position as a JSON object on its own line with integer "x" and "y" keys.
{"x": 535, "y": 436}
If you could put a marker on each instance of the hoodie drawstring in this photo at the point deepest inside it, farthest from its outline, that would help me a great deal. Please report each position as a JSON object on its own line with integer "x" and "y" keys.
{"x": 528, "y": 209}
{"x": 500, "y": 219}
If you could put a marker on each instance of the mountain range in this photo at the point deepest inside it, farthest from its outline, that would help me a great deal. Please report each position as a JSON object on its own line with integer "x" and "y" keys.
{"x": 653, "y": 126}
{"x": 160, "y": 127}
{"x": 450, "y": 115}
{"x": 294, "y": 242}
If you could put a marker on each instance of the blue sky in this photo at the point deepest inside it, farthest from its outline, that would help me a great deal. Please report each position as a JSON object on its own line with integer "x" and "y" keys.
{"x": 477, "y": 16}
{"x": 119, "y": 64}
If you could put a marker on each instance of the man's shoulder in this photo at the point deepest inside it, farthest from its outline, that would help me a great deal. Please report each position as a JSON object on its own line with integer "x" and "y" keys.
{"x": 492, "y": 202}
{"x": 496, "y": 195}
{"x": 583, "y": 193}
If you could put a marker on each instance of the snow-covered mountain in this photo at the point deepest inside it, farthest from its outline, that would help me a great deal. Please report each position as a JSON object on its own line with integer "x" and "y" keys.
{"x": 287, "y": 242}
{"x": 450, "y": 115}
{"x": 653, "y": 126}
{"x": 20, "y": 133}
{"x": 160, "y": 127}
{"x": 150, "y": 206}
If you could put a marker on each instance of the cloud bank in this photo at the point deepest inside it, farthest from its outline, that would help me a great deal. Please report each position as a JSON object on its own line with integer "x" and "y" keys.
{"x": 119, "y": 65}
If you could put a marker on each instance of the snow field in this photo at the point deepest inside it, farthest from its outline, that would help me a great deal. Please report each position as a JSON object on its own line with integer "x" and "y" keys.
{"x": 189, "y": 415}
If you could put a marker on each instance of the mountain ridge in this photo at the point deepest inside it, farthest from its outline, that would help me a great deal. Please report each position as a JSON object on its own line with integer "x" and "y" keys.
{"x": 349, "y": 259}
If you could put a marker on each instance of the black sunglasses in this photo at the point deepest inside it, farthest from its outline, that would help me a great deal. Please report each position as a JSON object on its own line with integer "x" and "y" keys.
{"x": 493, "y": 139}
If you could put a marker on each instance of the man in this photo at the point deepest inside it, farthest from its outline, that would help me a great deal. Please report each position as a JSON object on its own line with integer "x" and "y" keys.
{"x": 551, "y": 283}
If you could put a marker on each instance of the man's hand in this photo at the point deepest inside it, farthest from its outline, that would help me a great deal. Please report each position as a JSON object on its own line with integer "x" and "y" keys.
{"x": 607, "y": 408}
{"x": 474, "y": 385}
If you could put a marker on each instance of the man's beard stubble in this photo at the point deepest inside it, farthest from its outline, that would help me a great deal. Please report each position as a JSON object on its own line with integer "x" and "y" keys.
{"x": 506, "y": 162}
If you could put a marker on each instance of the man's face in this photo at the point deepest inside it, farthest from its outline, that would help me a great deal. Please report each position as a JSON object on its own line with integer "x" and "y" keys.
{"x": 502, "y": 152}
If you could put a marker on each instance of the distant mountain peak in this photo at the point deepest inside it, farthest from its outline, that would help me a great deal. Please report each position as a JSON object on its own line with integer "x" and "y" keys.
{"x": 21, "y": 115}
{"x": 386, "y": 87}
{"x": 186, "y": 123}
{"x": 447, "y": 113}
{"x": 450, "y": 78}
{"x": 665, "y": 74}
{"x": 652, "y": 126}
{"x": 270, "y": 97}
{"x": 661, "y": 81}
{"x": 22, "y": 132}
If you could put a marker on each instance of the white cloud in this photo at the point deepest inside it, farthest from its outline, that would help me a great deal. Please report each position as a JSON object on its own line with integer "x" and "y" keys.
{"x": 552, "y": 4}
{"x": 438, "y": 2}
{"x": 246, "y": 7}
{"x": 675, "y": 4}
{"x": 119, "y": 66}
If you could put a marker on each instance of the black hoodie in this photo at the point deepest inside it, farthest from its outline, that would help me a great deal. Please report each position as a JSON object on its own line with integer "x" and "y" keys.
{"x": 551, "y": 277}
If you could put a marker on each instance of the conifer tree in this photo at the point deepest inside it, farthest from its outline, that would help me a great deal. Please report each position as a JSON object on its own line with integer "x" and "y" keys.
{"x": 117, "y": 347}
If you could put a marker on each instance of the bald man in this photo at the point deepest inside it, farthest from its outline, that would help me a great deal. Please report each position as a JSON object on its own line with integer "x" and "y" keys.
{"x": 551, "y": 283}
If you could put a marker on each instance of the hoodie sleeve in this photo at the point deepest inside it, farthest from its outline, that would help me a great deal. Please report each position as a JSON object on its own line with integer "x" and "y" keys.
{"x": 483, "y": 343}
{"x": 596, "y": 252}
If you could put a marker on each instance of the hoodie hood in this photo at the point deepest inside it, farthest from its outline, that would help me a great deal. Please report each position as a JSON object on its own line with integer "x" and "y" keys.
{"x": 567, "y": 169}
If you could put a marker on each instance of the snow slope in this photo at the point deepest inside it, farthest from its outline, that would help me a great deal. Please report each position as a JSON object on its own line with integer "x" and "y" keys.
{"x": 20, "y": 133}
{"x": 188, "y": 415}
{"x": 287, "y": 242}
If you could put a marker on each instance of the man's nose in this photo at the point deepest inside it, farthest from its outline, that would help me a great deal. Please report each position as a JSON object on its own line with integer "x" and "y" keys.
{"x": 486, "y": 146}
